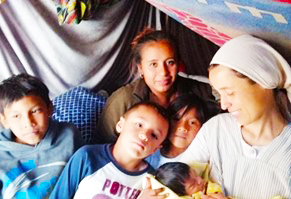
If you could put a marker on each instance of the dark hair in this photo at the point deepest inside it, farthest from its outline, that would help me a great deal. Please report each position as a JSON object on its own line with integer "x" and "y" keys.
{"x": 174, "y": 175}
{"x": 146, "y": 36}
{"x": 19, "y": 86}
{"x": 185, "y": 103}
{"x": 158, "y": 108}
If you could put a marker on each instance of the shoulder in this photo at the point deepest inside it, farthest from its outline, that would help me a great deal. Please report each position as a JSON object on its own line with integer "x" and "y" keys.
{"x": 126, "y": 90}
{"x": 220, "y": 125}
{"x": 65, "y": 131}
{"x": 93, "y": 149}
{"x": 125, "y": 95}
{"x": 222, "y": 118}
{"x": 90, "y": 153}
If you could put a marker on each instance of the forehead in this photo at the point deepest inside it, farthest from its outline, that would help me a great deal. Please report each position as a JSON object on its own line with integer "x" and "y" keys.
{"x": 151, "y": 115}
{"x": 24, "y": 103}
{"x": 191, "y": 111}
{"x": 146, "y": 111}
{"x": 222, "y": 77}
{"x": 154, "y": 48}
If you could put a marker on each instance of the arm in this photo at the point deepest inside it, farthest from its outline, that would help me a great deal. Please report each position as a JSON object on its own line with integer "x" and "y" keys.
{"x": 73, "y": 173}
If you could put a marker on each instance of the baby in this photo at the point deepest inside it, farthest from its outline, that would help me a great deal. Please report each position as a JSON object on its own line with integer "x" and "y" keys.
{"x": 184, "y": 181}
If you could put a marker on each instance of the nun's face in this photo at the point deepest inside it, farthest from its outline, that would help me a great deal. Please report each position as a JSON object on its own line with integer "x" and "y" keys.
{"x": 245, "y": 101}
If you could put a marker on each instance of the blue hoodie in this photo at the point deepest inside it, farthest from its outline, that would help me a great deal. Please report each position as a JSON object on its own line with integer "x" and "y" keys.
{"x": 32, "y": 171}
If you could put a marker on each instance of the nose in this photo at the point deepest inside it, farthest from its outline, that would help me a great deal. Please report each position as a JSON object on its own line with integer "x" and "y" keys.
{"x": 183, "y": 126}
{"x": 143, "y": 136}
{"x": 200, "y": 181}
{"x": 29, "y": 121}
{"x": 164, "y": 69}
{"x": 224, "y": 103}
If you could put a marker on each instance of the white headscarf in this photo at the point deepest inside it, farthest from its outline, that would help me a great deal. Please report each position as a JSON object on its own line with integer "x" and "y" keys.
{"x": 257, "y": 60}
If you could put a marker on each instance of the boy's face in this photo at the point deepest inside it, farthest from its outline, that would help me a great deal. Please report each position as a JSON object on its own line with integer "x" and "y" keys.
{"x": 141, "y": 132}
{"x": 28, "y": 119}
{"x": 194, "y": 183}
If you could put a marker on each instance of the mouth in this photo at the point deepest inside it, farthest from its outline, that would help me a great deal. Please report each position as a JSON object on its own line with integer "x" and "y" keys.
{"x": 182, "y": 136}
{"x": 165, "y": 82}
{"x": 33, "y": 132}
{"x": 139, "y": 144}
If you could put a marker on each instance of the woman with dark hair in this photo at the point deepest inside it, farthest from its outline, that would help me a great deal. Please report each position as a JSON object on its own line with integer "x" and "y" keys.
{"x": 156, "y": 58}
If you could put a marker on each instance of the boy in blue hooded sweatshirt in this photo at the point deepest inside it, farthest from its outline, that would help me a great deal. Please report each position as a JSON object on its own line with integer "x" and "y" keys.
{"x": 33, "y": 148}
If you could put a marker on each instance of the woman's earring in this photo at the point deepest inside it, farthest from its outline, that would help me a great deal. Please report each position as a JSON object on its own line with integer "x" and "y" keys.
{"x": 141, "y": 76}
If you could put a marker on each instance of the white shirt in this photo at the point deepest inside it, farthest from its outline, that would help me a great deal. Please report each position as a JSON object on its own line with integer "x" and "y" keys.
{"x": 243, "y": 171}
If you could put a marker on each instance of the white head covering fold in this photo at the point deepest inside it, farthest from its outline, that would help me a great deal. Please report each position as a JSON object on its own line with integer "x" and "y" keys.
{"x": 257, "y": 60}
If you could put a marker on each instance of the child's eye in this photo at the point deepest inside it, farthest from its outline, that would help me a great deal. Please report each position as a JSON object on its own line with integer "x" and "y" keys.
{"x": 138, "y": 125}
{"x": 192, "y": 122}
{"x": 36, "y": 110}
{"x": 15, "y": 116}
{"x": 229, "y": 93}
{"x": 154, "y": 136}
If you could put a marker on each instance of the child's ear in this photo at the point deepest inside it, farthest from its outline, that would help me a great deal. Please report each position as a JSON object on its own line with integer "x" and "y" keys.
{"x": 3, "y": 121}
{"x": 120, "y": 124}
{"x": 139, "y": 67}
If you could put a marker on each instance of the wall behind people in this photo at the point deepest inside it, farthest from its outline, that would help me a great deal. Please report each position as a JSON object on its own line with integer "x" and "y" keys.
{"x": 94, "y": 53}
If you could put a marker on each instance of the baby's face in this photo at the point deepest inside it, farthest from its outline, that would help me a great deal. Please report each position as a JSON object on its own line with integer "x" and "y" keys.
{"x": 194, "y": 183}
{"x": 28, "y": 119}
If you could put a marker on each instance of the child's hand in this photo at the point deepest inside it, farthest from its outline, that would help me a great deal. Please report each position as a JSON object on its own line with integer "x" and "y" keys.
{"x": 214, "y": 196}
{"x": 148, "y": 192}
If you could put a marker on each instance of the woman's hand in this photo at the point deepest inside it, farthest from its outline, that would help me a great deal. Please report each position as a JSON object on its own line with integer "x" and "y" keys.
{"x": 148, "y": 192}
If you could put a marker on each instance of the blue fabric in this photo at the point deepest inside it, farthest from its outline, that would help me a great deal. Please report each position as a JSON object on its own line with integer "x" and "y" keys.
{"x": 93, "y": 172}
{"x": 32, "y": 171}
{"x": 81, "y": 107}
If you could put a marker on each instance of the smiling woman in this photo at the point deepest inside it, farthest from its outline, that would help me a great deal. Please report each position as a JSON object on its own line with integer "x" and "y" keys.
{"x": 248, "y": 148}
{"x": 155, "y": 57}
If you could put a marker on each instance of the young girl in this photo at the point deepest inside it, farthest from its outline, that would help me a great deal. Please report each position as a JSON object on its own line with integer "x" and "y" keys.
{"x": 188, "y": 113}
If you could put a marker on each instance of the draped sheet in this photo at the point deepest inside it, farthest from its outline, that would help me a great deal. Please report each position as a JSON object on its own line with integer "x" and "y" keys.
{"x": 93, "y": 54}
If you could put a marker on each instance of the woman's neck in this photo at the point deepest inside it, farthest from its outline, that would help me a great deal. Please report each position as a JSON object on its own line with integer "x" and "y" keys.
{"x": 264, "y": 130}
{"x": 163, "y": 99}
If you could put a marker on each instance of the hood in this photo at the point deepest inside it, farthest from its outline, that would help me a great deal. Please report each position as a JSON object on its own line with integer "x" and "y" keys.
{"x": 7, "y": 143}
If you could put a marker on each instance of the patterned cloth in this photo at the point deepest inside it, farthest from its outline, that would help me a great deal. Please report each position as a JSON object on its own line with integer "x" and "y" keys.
{"x": 81, "y": 107}
{"x": 74, "y": 11}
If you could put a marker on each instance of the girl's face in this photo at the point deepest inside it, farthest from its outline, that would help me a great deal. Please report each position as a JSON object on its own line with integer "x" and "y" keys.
{"x": 184, "y": 129}
{"x": 158, "y": 66}
{"x": 194, "y": 183}
{"x": 245, "y": 101}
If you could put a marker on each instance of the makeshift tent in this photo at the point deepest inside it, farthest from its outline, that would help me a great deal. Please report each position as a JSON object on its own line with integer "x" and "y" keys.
{"x": 95, "y": 51}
